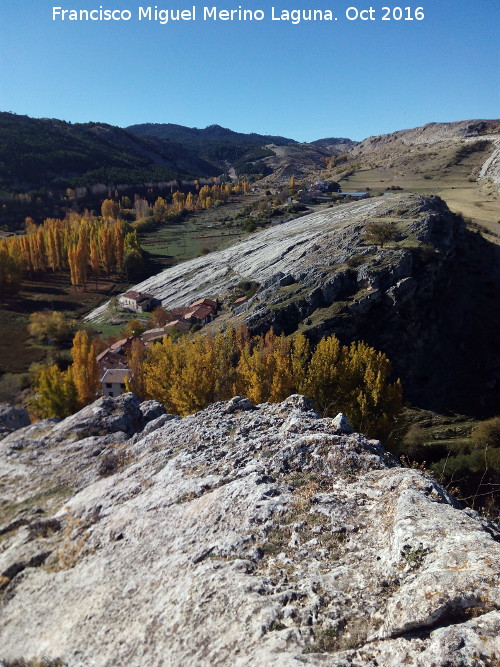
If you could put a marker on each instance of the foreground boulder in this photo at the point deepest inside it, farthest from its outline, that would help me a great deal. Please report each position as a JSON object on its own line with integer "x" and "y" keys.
{"x": 240, "y": 535}
{"x": 12, "y": 418}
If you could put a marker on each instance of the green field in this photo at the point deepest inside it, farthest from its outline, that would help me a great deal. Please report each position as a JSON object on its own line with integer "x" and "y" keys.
{"x": 210, "y": 230}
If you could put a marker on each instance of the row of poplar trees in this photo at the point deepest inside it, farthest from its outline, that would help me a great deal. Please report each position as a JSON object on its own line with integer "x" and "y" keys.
{"x": 82, "y": 244}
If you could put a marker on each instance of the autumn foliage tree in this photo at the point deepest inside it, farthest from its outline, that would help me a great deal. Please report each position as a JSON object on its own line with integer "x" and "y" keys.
{"x": 11, "y": 269}
{"x": 379, "y": 233}
{"x": 188, "y": 374}
{"x": 135, "y": 361}
{"x": 52, "y": 325}
{"x": 61, "y": 393}
{"x": 79, "y": 243}
{"x": 110, "y": 209}
{"x": 55, "y": 393}
{"x": 85, "y": 369}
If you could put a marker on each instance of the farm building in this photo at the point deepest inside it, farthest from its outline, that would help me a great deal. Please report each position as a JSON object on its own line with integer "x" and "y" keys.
{"x": 138, "y": 302}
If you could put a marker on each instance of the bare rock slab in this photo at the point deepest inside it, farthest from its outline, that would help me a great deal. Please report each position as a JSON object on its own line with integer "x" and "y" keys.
{"x": 241, "y": 535}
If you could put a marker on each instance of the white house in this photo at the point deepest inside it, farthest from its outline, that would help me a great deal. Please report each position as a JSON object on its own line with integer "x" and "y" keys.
{"x": 113, "y": 381}
{"x": 139, "y": 302}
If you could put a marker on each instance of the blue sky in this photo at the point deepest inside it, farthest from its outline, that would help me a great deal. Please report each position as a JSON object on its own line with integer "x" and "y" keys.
{"x": 304, "y": 81}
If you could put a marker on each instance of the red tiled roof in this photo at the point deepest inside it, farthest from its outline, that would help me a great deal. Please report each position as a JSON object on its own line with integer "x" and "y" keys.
{"x": 205, "y": 302}
{"x": 180, "y": 325}
{"x": 117, "y": 344}
{"x": 200, "y": 312}
{"x": 103, "y": 354}
{"x": 180, "y": 312}
{"x": 108, "y": 359}
{"x": 152, "y": 334}
{"x": 137, "y": 296}
{"x": 131, "y": 294}
{"x": 122, "y": 344}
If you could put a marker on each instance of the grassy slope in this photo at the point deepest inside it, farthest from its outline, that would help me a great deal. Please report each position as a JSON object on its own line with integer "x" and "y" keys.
{"x": 426, "y": 170}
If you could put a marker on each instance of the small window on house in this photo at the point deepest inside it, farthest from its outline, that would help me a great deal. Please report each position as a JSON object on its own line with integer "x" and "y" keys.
{"x": 109, "y": 385}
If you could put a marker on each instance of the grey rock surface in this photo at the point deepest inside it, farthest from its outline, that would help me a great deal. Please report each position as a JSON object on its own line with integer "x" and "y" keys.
{"x": 12, "y": 418}
{"x": 241, "y": 535}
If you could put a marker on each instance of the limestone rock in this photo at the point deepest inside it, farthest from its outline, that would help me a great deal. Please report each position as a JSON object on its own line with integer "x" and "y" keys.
{"x": 241, "y": 535}
{"x": 12, "y": 418}
{"x": 341, "y": 423}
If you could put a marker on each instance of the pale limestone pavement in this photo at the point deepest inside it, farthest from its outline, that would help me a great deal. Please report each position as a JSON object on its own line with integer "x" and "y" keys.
{"x": 281, "y": 248}
{"x": 240, "y": 535}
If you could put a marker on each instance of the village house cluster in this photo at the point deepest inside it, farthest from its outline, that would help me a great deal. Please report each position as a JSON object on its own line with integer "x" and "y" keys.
{"x": 112, "y": 362}
{"x": 321, "y": 191}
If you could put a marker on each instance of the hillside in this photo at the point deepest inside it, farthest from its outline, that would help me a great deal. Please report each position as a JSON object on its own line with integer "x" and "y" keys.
{"x": 242, "y": 535}
{"x": 335, "y": 142}
{"x": 232, "y": 152}
{"x": 298, "y": 160}
{"x": 255, "y": 154}
{"x": 418, "y": 298}
{"x": 47, "y": 153}
{"x": 205, "y": 139}
{"x": 40, "y": 154}
{"x": 459, "y": 162}
{"x": 49, "y": 167}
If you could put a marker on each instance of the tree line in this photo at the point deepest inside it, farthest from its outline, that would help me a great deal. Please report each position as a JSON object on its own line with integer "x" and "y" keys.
{"x": 189, "y": 373}
{"x": 165, "y": 210}
{"x": 81, "y": 244}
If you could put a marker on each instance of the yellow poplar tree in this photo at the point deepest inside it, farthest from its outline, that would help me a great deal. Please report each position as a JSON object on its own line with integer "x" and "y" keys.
{"x": 118, "y": 243}
{"x": 323, "y": 373}
{"x": 136, "y": 382}
{"x": 282, "y": 380}
{"x": 95, "y": 261}
{"x": 301, "y": 353}
{"x": 85, "y": 369}
{"x": 55, "y": 393}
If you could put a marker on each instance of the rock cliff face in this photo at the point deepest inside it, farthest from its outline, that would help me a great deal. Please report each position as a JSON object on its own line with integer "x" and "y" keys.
{"x": 242, "y": 535}
{"x": 418, "y": 298}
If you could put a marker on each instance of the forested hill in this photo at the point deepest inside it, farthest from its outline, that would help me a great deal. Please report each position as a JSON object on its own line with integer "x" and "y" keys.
{"x": 36, "y": 154}
{"x": 46, "y": 154}
{"x": 213, "y": 142}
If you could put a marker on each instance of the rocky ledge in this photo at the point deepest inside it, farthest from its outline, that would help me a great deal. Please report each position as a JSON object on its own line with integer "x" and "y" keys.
{"x": 241, "y": 535}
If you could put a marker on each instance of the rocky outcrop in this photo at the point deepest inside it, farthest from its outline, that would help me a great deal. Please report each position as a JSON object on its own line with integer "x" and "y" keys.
{"x": 241, "y": 535}
{"x": 282, "y": 248}
{"x": 419, "y": 298}
{"x": 12, "y": 418}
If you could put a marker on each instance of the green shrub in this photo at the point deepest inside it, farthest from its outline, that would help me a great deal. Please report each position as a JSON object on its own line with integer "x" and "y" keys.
{"x": 487, "y": 433}
{"x": 379, "y": 233}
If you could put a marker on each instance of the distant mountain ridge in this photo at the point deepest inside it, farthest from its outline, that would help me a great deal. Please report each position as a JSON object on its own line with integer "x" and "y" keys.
{"x": 40, "y": 154}
{"x": 224, "y": 148}
{"x": 335, "y": 141}
{"x": 187, "y": 135}
{"x": 255, "y": 154}
{"x": 43, "y": 157}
